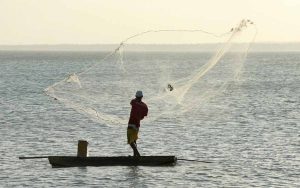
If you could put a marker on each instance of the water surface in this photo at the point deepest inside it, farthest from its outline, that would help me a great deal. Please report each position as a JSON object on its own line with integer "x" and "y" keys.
{"x": 251, "y": 132}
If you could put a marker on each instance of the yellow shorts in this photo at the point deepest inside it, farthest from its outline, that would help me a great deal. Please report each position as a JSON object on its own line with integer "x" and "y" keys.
{"x": 132, "y": 135}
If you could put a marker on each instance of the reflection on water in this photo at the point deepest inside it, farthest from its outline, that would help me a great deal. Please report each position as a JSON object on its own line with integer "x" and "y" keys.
{"x": 133, "y": 176}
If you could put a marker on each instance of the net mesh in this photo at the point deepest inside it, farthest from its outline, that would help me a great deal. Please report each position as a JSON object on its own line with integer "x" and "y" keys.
{"x": 172, "y": 83}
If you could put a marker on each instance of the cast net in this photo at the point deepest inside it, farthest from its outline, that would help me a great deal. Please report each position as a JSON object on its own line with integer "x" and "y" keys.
{"x": 175, "y": 79}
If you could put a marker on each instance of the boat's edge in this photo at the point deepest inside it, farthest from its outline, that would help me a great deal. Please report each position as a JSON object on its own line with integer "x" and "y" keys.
{"x": 74, "y": 161}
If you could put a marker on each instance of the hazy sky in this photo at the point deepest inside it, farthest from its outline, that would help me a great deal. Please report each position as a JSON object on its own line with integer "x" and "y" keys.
{"x": 110, "y": 21}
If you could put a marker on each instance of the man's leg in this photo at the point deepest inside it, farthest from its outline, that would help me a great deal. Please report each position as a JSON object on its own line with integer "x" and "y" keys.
{"x": 135, "y": 151}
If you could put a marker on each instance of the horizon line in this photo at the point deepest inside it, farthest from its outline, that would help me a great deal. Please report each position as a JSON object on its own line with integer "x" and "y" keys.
{"x": 83, "y": 44}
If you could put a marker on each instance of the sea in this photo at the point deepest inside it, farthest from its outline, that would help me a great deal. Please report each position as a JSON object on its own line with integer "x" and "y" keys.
{"x": 250, "y": 133}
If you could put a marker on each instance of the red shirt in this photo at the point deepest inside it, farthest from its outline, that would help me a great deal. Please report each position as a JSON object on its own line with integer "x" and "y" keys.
{"x": 138, "y": 111}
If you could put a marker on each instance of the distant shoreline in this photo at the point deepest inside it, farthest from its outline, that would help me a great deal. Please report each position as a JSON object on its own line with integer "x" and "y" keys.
{"x": 256, "y": 47}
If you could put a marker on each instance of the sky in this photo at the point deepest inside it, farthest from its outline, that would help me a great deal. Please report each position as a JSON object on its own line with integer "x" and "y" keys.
{"x": 111, "y": 21}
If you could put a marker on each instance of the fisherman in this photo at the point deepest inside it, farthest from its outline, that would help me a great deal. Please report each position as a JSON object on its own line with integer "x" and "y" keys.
{"x": 138, "y": 111}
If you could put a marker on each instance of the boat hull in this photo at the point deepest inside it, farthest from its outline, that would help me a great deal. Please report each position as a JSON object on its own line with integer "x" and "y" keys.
{"x": 73, "y": 161}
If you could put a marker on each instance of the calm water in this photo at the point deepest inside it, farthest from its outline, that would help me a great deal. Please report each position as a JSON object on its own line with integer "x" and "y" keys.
{"x": 251, "y": 132}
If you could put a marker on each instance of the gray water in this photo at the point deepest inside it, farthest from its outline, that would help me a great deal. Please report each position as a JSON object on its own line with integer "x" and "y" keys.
{"x": 250, "y": 133}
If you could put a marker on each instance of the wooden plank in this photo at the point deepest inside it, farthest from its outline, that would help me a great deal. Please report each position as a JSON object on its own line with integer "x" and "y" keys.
{"x": 33, "y": 157}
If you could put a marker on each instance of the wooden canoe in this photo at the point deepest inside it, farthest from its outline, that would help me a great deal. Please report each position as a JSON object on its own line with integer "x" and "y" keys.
{"x": 74, "y": 161}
